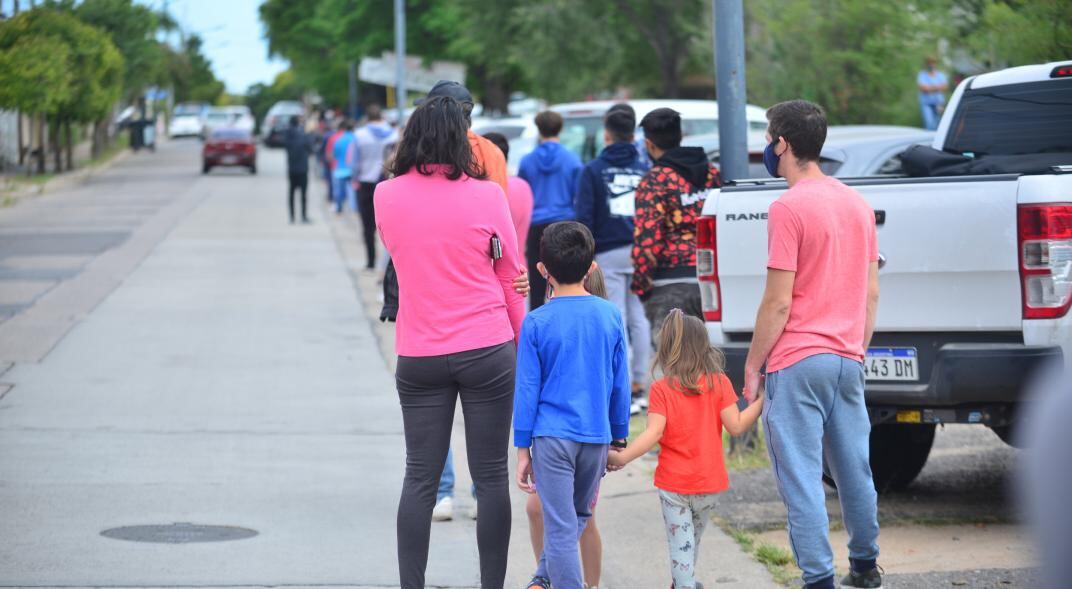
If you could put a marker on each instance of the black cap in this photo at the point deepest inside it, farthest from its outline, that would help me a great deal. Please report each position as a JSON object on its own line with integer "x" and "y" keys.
{"x": 448, "y": 88}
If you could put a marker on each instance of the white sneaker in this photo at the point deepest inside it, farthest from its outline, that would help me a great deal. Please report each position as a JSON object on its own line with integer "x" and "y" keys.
{"x": 473, "y": 511}
{"x": 444, "y": 510}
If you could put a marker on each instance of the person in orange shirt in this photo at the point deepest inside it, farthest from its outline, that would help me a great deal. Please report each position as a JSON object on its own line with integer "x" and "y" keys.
{"x": 486, "y": 153}
{"x": 689, "y": 407}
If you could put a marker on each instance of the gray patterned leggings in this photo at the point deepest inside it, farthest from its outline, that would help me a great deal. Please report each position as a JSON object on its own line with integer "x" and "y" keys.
{"x": 686, "y": 516}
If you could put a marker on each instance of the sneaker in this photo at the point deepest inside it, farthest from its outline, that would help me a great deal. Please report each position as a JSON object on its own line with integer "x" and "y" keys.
{"x": 872, "y": 579}
{"x": 444, "y": 510}
{"x": 473, "y": 511}
{"x": 634, "y": 409}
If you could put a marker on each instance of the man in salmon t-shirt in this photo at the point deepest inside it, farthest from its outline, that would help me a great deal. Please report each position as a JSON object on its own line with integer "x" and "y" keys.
{"x": 815, "y": 321}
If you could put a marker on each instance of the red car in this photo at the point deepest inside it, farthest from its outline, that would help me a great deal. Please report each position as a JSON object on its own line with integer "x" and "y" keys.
{"x": 229, "y": 147}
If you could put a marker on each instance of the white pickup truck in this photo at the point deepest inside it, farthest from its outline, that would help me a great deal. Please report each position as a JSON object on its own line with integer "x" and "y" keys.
{"x": 976, "y": 270}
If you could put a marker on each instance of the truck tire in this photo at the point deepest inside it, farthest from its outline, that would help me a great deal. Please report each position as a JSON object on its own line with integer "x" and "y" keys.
{"x": 898, "y": 454}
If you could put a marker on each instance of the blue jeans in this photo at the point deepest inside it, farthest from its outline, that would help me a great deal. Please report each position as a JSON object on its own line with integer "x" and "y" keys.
{"x": 343, "y": 191}
{"x": 815, "y": 408}
{"x": 930, "y": 116}
{"x": 567, "y": 478}
{"x": 446, "y": 480}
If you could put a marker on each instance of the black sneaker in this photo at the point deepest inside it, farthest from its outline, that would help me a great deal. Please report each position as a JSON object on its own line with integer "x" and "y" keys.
{"x": 872, "y": 579}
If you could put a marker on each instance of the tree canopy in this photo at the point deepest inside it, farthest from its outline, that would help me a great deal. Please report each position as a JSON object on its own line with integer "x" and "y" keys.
{"x": 856, "y": 57}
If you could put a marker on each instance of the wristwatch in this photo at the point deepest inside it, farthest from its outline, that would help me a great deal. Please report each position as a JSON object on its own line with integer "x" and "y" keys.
{"x": 619, "y": 444}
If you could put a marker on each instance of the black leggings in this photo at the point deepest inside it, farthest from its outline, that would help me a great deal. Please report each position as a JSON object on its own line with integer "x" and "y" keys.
{"x": 366, "y": 205}
{"x": 298, "y": 181}
{"x": 428, "y": 389}
{"x": 536, "y": 280}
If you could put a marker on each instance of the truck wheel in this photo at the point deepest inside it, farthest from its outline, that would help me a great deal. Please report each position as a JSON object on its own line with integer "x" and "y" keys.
{"x": 1008, "y": 434}
{"x": 205, "y": 168}
{"x": 898, "y": 454}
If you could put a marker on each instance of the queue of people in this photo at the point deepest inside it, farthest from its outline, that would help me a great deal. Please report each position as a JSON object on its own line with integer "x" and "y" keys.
{"x": 609, "y": 249}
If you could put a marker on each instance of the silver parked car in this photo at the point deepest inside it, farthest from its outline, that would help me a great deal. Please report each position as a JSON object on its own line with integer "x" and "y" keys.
{"x": 850, "y": 150}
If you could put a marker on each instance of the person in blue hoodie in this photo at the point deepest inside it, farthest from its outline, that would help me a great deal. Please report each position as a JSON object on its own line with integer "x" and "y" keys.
{"x": 605, "y": 204}
{"x": 552, "y": 171}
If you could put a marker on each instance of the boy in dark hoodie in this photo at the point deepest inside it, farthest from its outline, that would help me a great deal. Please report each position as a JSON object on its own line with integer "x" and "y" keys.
{"x": 668, "y": 201}
{"x": 605, "y": 203}
{"x": 551, "y": 170}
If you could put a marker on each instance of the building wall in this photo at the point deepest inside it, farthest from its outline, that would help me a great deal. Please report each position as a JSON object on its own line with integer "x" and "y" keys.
{"x": 9, "y": 141}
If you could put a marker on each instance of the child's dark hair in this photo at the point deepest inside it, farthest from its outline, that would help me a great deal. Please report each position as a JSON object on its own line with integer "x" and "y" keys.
{"x": 596, "y": 283}
{"x": 567, "y": 250}
{"x": 686, "y": 357}
{"x": 500, "y": 141}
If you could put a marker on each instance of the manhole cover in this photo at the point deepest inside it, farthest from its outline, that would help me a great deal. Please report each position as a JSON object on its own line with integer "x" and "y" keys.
{"x": 179, "y": 533}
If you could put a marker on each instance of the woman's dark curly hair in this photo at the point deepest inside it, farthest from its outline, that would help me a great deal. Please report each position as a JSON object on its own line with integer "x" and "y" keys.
{"x": 437, "y": 134}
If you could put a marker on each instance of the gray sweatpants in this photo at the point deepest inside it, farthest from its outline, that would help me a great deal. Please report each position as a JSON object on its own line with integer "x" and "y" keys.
{"x": 617, "y": 265}
{"x": 815, "y": 408}
{"x": 567, "y": 478}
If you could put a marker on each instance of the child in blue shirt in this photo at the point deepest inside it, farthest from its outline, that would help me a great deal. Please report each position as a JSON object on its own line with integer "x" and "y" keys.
{"x": 571, "y": 399}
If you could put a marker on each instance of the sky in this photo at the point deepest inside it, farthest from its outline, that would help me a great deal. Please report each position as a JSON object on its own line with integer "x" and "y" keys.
{"x": 234, "y": 38}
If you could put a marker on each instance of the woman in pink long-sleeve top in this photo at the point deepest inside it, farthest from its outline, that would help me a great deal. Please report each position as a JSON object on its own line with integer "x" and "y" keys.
{"x": 458, "y": 320}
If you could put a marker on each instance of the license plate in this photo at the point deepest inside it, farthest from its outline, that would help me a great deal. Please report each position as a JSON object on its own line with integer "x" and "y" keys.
{"x": 891, "y": 364}
{"x": 229, "y": 159}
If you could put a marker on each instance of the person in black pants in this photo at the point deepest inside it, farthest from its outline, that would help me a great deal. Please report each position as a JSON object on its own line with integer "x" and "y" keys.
{"x": 373, "y": 141}
{"x": 298, "y": 150}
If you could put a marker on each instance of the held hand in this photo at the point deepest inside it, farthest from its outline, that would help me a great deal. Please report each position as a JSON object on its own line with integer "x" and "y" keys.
{"x": 753, "y": 380}
{"x": 521, "y": 283}
{"x": 615, "y": 462}
{"x": 526, "y": 481}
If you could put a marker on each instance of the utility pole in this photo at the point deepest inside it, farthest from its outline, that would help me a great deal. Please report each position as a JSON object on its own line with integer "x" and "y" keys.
{"x": 730, "y": 84}
{"x": 353, "y": 90}
{"x": 400, "y": 58}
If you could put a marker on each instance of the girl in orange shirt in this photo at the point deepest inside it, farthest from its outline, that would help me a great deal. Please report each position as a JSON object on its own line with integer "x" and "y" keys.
{"x": 688, "y": 408}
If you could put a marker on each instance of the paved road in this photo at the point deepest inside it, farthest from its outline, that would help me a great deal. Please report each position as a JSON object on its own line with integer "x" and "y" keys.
{"x": 175, "y": 352}
{"x": 230, "y": 378}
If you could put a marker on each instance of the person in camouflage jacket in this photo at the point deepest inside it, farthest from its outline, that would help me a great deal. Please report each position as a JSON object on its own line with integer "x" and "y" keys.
{"x": 669, "y": 200}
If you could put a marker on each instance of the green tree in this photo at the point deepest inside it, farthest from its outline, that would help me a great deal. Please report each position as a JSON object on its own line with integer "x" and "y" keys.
{"x": 189, "y": 72}
{"x": 857, "y": 58}
{"x": 133, "y": 28}
{"x": 93, "y": 67}
{"x": 1020, "y": 32}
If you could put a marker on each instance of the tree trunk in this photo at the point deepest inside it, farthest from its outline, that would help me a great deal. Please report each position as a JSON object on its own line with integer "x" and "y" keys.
{"x": 70, "y": 145}
{"x": 57, "y": 148}
{"x": 22, "y": 154}
{"x": 41, "y": 153}
{"x": 496, "y": 97}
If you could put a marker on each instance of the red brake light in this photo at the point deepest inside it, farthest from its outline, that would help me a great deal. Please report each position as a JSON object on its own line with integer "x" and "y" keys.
{"x": 1062, "y": 71}
{"x": 707, "y": 269}
{"x": 1045, "y": 242}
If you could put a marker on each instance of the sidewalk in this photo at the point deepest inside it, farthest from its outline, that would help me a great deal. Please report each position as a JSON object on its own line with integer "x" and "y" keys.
{"x": 629, "y": 517}
{"x": 230, "y": 379}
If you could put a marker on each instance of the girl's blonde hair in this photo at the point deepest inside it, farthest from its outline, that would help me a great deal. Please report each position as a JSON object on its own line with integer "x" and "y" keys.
{"x": 595, "y": 284}
{"x": 686, "y": 357}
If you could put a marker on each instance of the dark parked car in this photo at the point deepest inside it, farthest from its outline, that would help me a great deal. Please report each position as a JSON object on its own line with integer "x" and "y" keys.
{"x": 229, "y": 147}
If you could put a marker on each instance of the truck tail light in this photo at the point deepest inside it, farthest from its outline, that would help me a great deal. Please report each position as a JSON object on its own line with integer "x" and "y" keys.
{"x": 707, "y": 269}
{"x": 1045, "y": 238}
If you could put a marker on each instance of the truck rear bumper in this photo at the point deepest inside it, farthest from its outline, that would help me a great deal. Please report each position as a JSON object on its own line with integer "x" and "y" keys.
{"x": 953, "y": 374}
